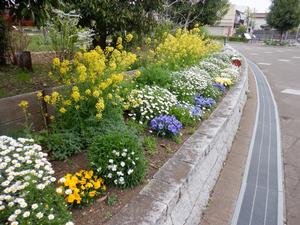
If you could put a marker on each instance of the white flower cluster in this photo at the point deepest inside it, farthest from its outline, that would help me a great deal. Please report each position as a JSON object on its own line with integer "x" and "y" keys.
{"x": 22, "y": 164}
{"x": 232, "y": 72}
{"x": 212, "y": 69}
{"x": 188, "y": 83}
{"x": 121, "y": 166}
{"x": 217, "y": 61}
{"x": 149, "y": 102}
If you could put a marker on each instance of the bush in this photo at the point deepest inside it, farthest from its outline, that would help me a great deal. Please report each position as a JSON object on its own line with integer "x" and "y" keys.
{"x": 155, "y": 75}
{"x": 26, "y": 192}
{"x": 63, "y": 143}
{"x": 118, "y": 158}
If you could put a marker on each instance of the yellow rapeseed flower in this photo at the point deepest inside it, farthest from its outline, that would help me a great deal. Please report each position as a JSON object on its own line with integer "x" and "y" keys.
{"x": 56, "y": 62}
{"x": 24, "y": 104}
{"x": 62, "y": 110}
{"x": 129, "y": 37}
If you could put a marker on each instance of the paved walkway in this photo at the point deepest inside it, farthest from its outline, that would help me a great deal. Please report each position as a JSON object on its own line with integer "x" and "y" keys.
{"x": 261, "y": 197}
{"x": 281, "y": 66}
{"x": 223, "y": 200}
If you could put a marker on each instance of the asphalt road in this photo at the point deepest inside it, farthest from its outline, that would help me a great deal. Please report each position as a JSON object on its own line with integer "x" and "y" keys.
{"x": 281, "y": 65}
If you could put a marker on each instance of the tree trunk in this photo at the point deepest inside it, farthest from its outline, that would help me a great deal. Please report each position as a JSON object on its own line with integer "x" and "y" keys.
{"x": 23, "y": 60}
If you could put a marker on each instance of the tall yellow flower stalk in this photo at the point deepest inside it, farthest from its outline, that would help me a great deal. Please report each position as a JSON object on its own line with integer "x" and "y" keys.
{"x": 92, "y": 79}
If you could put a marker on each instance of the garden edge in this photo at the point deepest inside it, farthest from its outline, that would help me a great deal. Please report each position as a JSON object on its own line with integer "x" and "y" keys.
{"x": 179, "y": 192}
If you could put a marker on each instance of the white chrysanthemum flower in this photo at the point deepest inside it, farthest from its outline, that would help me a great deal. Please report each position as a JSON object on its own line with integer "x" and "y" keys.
{"x": 50, "y": 216}
{"x": 26, "y": 214}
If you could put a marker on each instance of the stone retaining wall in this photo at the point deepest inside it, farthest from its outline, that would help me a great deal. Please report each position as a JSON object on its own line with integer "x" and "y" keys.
{"x": 180, "y": 190}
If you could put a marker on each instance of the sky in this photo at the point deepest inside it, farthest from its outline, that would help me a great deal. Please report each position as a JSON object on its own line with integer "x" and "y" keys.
{"x": 259, "y": 5}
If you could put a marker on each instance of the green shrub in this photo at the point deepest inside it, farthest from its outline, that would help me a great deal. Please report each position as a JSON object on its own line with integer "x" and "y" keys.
{"x": 155, "y": 75}
{"x": 112, "y": 120}
{"x": 118, "y": 158}
{"x": 62, "y": 144}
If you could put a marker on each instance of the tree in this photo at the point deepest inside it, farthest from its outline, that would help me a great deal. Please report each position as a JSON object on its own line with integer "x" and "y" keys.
{"x": 187, "y": 12}
{"x": 37, "y": 10}
{"x": 284, "y": 15}
{"x": 116, "y": 16}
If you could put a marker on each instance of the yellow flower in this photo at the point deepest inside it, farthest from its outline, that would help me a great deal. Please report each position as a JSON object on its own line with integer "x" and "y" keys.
{"x": 63, "y": 70}
{"x": 54, "y": 97}
{"x": 67, "y": 102}
{"x": 77, "y": 107}
{"x": 71, "y": 198}
{"x": 98, "y": 116}
{"x": 97, "y": 184}
{"x": 109, "y": 49}
{"x": 89, "y": 185}
{"x": 100, "y": 105}
{"x": 75, "y": 88}
{"x": 76, "y": 96}
{"x": 24, "y": 104}
{"x": 104, "y": 187}
{"x": 129, "y": 37}
{"x": 92, "y": 193}
{"x": 96, "y": 94}
{"x": 88, "y": 92}
{"x": 62, "y": 110}
{"x": 137, "y": 73}
{"x": 109, "y": 96}
{"x": 56, "y": 62}
{"x": 89, "y": 174}
{"x": 138, "y": 49}
{"x": 39, "y": 94}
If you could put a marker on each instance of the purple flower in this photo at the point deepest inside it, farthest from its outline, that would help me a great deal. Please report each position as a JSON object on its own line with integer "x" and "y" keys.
{"x": 166, "y": 125}
{"x": 195, "y": 111}
{"x": 221, "y": 87}
{"x": 202, "y": 102}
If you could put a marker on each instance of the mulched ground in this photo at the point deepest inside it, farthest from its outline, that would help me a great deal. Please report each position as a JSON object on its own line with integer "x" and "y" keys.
{"x": 100, "y": 211}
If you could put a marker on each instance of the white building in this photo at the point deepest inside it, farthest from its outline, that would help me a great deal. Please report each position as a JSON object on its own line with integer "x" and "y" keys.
{"x": 259, "y": 19}
{"x": 226, "y": 25}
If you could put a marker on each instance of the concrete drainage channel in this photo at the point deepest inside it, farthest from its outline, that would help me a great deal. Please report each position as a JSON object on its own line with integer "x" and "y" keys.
{"x": 180, "y": 190}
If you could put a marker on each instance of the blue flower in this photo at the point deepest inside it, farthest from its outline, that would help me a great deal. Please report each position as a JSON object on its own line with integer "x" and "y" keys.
{"x": 221, "y": 87}
{"x": 166, "y": 125}
{"x": 202, "y": 102}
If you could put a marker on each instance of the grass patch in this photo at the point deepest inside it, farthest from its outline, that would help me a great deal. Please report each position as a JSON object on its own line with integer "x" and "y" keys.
{"x": 38, "y": 43}
{"x": 14, "y": 81}
{"x": 150, "y": 145}
{"x": 112, "y": 199}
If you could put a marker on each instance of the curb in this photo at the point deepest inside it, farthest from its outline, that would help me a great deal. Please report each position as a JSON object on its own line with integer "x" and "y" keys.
{"x": 179, "y": 192}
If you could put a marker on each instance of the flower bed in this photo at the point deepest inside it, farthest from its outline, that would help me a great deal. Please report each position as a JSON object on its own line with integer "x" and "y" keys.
{"x": 126, "y": 122}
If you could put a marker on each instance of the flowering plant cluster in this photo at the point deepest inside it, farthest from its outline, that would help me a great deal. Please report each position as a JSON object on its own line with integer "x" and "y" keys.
{"x": 80, "y": 188}
{"x": 187, "y": 83}
{"x": 221, "y": 87}
{"x": 183, "y": 49}
{"x": 118, "y": 158}
{"x": 166, "y": 125}
{"x": 203, "y": 102}
{"x": 150, "y": 101}
{"x": 26, "y": 192}
{"x": 93, "y": 78}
